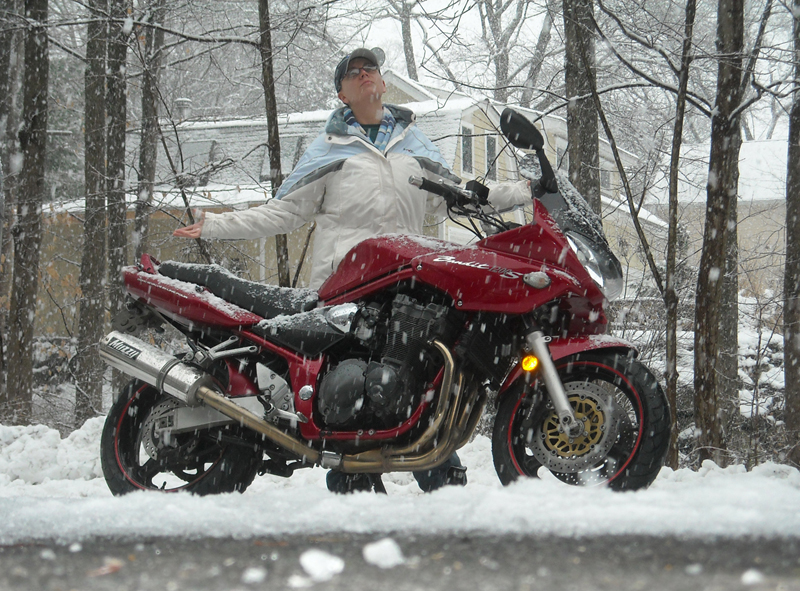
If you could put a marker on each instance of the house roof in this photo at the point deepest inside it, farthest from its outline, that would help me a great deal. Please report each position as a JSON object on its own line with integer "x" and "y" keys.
{"x": 169, "y": 198}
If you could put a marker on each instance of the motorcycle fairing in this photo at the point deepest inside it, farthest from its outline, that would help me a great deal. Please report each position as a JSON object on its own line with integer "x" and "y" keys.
{"x": 486, "y": 276}
{"x": 185, "y": 303}
{"x": 376, "y": 257}
{"x": 561, "y": 348}
{"x": 537, "y": 241}
{"x": 483, "y": 280}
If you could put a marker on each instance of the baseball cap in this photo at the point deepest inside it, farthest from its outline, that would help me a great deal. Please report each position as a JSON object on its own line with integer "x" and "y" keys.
{"x": 374, "y": 55}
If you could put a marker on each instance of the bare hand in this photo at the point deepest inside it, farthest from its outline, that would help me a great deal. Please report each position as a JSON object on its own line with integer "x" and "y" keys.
{"x": 192, "y": 231}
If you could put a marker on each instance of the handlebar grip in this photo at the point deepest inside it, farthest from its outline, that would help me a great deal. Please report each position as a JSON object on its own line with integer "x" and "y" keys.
{"x": 453, "y": 196}
{"x": 429, "y": 186}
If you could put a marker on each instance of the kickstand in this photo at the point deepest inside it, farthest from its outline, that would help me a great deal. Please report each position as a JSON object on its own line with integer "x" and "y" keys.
{"x": 377, "y": 484}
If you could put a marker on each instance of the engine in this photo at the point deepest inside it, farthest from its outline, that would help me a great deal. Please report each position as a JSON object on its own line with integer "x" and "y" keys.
{"x": 383, "y": 390}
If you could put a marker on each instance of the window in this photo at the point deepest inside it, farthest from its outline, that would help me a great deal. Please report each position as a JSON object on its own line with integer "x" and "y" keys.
{"x": 491, "y": 157}
{"x": 466, "y": 150}
{"x": 605, "y": 179}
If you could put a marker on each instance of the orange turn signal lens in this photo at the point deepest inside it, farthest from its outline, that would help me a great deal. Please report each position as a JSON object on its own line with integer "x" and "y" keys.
{"x": 530, "y": 362}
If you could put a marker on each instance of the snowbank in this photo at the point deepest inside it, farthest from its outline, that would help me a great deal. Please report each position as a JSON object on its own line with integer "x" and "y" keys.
{"x": 52, "y": 489}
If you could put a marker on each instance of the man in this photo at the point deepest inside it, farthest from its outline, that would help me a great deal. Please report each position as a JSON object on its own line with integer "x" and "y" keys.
{"x": 353, "y": 182}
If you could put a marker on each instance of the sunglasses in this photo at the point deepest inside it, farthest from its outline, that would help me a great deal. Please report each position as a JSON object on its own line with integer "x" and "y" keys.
{"x": 354, "y": 73}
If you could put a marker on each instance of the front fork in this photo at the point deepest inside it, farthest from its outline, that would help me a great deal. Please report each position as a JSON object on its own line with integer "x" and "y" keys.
{"x": 537, "y": 343}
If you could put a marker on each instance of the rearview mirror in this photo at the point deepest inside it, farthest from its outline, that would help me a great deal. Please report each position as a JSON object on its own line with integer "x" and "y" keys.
{"x": 520, "y": 131}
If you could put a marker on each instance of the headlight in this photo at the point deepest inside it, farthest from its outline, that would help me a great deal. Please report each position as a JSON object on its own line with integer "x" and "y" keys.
{"x": 604, "y": 273}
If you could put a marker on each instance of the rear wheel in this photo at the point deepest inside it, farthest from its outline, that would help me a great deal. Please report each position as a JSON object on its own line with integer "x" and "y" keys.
{"x": 626, "y": 426}
{"x": 136, "y": 456}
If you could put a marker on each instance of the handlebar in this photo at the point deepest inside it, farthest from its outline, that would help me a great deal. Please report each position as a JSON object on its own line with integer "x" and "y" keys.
{"x": 453, "y": 196}
{"x": 465, "y": 202}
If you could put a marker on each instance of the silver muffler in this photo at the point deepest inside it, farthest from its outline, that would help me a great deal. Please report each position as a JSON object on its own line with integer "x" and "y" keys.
{"x": 150, "y": 364}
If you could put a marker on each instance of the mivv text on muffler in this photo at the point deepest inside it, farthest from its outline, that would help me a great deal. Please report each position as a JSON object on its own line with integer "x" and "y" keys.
{"x": 150, "y": 364}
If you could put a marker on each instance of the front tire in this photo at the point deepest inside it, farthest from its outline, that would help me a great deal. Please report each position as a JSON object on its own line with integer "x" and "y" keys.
{"x": 626, "y": 418}
{"x": 208, "y": 461}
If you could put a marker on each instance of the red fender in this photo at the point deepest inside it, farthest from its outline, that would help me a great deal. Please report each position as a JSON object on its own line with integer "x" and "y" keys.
{"x": 561, "y": 348}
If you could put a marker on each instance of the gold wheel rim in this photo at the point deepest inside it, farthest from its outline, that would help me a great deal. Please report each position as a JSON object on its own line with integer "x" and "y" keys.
{"x": 587, "y": 412}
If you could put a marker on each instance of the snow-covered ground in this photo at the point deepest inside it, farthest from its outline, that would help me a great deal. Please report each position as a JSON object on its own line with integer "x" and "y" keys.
{"x": 53, "y": 489}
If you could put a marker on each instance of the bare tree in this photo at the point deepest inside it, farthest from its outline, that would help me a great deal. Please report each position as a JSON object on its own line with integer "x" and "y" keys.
{"x": 88, "y": 367}
{"x": 584, "y": 151}
{"x": 119, "y": 30}
{"x": 27, "y": 229}
{"x": 722, "y": 181}
{"x": 151, "y": 58}
{"x": 403, "y": 11}
{"x": 670, "y": 292}
{"x": 791, "y": 314}
{"x": 729, "y": 381}
{"x": 10, "y": 119}
{"x": 537, "y": 61}
{"x": 500, "y": 27}
{"x": 7, "y": 45}
{"x": 273, "y": 139}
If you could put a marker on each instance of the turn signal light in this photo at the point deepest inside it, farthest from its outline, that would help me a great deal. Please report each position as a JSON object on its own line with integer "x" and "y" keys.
{"x": 530, "y": 362}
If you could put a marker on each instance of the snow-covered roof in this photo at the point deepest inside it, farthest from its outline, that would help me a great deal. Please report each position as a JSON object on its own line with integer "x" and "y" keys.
{"x": 762, "y": 173}
{"x": 410, "y": 87}
{"x": 168, "y": 198}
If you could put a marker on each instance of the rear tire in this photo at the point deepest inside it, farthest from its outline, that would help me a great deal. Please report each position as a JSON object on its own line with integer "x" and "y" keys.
{"x": 629, "y": 426}
{"x": 203, "y": 462}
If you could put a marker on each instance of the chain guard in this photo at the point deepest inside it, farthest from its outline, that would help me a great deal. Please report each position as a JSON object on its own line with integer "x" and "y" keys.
{"x": 597, "y": 409}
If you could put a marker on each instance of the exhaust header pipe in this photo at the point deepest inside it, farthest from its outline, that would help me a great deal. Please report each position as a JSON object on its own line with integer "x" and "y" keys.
{"x": 152, "y": 365}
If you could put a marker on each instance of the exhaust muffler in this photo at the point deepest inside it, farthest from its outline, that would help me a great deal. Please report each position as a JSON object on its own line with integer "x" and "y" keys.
{"x": 150, "y": 364}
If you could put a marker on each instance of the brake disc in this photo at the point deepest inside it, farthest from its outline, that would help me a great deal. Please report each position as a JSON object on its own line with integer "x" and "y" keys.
{"x": 596, "y": 409}
{"x": 156, "y": 429}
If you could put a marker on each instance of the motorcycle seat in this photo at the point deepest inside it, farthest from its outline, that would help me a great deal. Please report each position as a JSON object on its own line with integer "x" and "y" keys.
{"x": 268, "y": 301}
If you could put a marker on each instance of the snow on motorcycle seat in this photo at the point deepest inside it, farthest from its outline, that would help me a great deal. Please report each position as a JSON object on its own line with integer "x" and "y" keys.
{"x": 268, "y": 301}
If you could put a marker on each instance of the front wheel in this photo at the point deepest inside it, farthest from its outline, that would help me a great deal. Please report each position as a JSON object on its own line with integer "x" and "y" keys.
{"x": 626, "y": 425}
{"x": 136, "y": 455}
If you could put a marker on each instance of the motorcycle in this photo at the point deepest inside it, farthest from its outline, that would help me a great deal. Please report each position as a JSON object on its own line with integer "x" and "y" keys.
{"x": 388, "y": 367}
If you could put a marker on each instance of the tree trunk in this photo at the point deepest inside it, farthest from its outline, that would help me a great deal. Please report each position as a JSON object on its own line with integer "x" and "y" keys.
{"x": 27, "y": 230}
{"x": 791, "y": 314}
{"x": 88, "y": 367}
{"x": 116, "y": 115}
{"x": 148, "y": 146}
{"x": 670, "y": 293}
{"x": 117, "y": 118}
{"x": 6, "y": 46}
{"x": 408, "y": 45}
{"x": 501, "y": 66}
{"x": 14, "y": 49}
{"x": 582, "y": 135}
{"x": 722, "y": 176}
{"x": 538, "y": 58}
{"x": 729, "y": 385}
{"x": 273, "y": 140}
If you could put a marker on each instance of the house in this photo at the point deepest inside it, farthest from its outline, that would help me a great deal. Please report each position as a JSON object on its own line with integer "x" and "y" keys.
{"x": 761, "y": 209}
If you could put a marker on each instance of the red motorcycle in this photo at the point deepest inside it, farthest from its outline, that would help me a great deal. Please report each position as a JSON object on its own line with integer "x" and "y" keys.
{"x": 389, "y": 365}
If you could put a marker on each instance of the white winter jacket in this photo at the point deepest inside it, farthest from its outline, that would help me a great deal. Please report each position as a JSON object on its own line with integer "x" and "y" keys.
{"x": 353, "y": 192}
